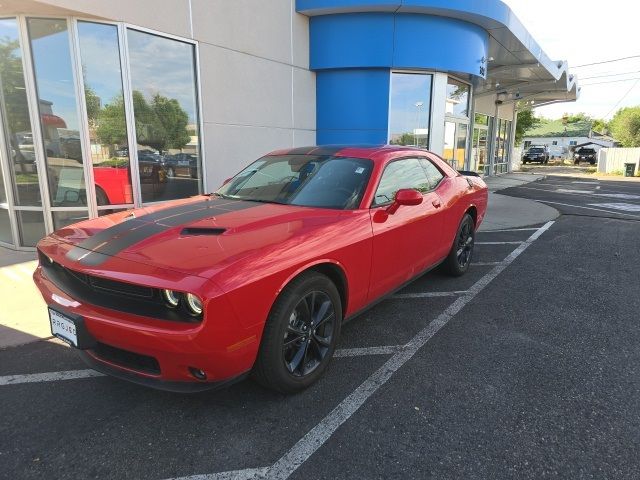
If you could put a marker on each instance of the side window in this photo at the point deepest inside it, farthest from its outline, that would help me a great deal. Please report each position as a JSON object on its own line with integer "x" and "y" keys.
{"x": 406, "y": 173}
{"x": 434, "y": 175}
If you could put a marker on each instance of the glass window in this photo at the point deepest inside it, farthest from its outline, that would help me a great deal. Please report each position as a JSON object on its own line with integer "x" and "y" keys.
{"x": 31, "y": 227}
{"x": 410, "y": 106}
{"x": 406, "y": 173}
{"x": 461, "y": 145}
{"x": 100, "y": 56}
{"x": 58, "y": 111}
{"x": 449, "y": 141}
{"x": 62, "y": 219}
{"x": 15, "y": 119}
{"x": 457, "y": 98}
{"x": 5, "y": 227}
{"x": 306, "y": 180}
{"x": 166, "y": 115}
{"x": 481, "y": 119}
{"x": 433, "y": 173}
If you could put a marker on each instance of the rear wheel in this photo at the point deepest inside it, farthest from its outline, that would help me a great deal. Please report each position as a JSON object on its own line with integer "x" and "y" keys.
{"x": 300, "y": 335}
{"x": 459, "y": 258}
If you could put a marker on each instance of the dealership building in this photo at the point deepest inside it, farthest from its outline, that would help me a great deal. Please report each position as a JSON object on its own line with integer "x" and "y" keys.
{"x": 113, "y": 104}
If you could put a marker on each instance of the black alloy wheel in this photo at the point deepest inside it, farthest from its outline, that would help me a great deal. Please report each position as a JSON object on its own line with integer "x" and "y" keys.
{"x": 461, "y": 253}
{"x": 309, "y": 334}
{"x": 300, "y": 334}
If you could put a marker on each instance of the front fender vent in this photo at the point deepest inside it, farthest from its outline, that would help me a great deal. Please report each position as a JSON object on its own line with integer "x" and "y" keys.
{"x": 191, "y": 231}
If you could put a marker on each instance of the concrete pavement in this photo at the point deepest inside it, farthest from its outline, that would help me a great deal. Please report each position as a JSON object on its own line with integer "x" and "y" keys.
{"x": 508, "y": 212}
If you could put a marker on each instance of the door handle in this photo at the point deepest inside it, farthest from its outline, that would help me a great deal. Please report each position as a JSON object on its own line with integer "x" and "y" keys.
{"x": 436, "y": 203}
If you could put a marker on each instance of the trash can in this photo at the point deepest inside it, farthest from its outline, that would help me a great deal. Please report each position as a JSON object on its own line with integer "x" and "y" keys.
{"x": 629, "y": 169}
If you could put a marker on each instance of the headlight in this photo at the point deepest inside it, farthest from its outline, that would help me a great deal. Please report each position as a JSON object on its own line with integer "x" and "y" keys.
{"x": 194, "y": 303}
{"x": 172, "y": 298}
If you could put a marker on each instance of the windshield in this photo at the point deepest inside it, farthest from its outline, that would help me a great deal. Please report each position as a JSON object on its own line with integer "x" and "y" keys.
{"x": 587, "y": 150}
{"x": 536, "y": 150}
{"x": 305, "y": 180}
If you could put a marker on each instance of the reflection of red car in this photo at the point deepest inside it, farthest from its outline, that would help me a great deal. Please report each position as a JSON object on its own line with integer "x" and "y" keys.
{"x": 113, "y": 183}
{"x": 259, "y": 276}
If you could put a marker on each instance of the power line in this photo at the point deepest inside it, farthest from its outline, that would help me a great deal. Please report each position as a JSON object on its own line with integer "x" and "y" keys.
{"x": 609, "y": 75}
{"x": 623, "y": 97}
{"x": 609, "y": 81}
{"x": 607, "y": 61}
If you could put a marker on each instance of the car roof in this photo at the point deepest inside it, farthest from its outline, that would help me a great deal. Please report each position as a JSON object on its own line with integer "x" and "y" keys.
{"x": 372, "y": 152}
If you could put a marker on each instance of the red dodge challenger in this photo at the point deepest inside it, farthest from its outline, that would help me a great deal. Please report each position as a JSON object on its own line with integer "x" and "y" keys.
{"x": 259, "y": 276}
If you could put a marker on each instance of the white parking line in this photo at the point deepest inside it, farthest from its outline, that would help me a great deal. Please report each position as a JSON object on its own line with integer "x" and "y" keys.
{"x": 245, "y": 474}
{"x": 79, "y": 374}
{"x": 627, "y": 207}
{"x": 511, "y": 230}
{"x": 588, "y": 208}
{"x": 48, "y": 377}
{"x": 498, "y": 243}
{"x": 485, "y": 263}
{"x": 363, "y": 351}
{"x": 428, "y": 294}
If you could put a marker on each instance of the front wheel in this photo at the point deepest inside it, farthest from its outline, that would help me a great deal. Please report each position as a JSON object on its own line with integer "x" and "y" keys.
{"x": 300, "y": 334}
{"x": 459, "y": 258}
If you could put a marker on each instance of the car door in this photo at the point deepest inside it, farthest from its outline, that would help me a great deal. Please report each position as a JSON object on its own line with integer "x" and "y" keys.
{"x": 404, "y": 243}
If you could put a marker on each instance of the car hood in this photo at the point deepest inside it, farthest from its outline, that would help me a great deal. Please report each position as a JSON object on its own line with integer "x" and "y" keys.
{"x": 200, "y": 236}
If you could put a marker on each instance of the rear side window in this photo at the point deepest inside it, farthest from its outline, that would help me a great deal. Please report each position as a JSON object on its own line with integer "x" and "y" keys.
{"x": 433, "y": 174}
{"x": 405, "y": 173}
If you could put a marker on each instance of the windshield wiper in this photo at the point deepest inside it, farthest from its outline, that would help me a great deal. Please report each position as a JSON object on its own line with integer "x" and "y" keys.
{"x": 262, "y": 200}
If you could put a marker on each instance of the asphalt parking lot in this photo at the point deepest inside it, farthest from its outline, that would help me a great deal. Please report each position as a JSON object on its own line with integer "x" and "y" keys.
{"x": 527, "y": 367}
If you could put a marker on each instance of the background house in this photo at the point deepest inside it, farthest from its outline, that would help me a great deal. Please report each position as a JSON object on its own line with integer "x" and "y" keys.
{"x": 561, "y": 137}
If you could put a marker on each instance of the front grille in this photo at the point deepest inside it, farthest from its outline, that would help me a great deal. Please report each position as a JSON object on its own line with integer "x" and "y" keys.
{"x": 113, "y": 294}
{"x": 127, "y": 359}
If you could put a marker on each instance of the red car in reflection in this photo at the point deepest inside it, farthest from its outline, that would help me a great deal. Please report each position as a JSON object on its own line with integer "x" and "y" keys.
{"x": 260, "y": 276}
{"x": 113, "y": 183}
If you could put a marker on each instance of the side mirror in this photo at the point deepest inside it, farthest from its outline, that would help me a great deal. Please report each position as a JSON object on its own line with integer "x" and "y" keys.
{"x": 406, "y": 197}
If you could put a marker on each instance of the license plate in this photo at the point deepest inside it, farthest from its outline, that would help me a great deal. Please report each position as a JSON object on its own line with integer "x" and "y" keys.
{"x": 63, "y": 327}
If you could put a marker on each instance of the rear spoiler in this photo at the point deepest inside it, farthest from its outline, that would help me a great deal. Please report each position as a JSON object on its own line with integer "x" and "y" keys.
{"x": 468, "y": 173}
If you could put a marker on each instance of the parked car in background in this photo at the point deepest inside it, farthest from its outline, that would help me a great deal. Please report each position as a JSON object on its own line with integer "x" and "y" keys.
{"x": 585, "y": 154}
{"x": 113, "y": 182}
{"x": 181, "y": 164}
{"x": 536, "y": 153}
{"x": 259, "y": 276}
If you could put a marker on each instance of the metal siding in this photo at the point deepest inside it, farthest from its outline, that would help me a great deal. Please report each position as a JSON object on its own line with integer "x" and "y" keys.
{"x": 352, "y": 106}
{"x": 351, "y": 40}
{"x": 437, "y": 43}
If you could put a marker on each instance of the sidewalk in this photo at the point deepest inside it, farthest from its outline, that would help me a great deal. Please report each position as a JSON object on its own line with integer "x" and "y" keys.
{"x": 511, "y": 212}
{"x": 24, "y": 319}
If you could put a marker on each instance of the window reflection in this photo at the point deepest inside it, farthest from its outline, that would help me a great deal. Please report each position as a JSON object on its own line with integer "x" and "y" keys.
{"x": 58, "y": 111}
{"x": 100, "y": 56}
{"x": 457, "y": 98}
{"x": 409, "y": 111}
{"x": 166, "y": 115}
{"x": 15, "y": 119}
{"x": 30, "y": 227}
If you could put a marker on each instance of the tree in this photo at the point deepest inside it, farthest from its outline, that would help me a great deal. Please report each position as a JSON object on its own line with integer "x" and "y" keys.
{"x": 625, "y": 126}
{"x": 526, "y": 121}
{"x": 111, "y": 126}
{"x": 600, "y": 125}
{"x": 160, "y": 124}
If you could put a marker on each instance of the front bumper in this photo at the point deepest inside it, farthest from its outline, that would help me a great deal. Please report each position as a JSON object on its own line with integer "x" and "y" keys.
{"x": 220, "y": 347}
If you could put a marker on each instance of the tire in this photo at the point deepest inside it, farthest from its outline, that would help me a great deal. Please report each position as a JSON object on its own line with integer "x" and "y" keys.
{"x": 457, "y": 262}
{"x": 592, "y": 162}
{"x": 101, "y": 197}
{"x": 291, "y": 356}
{"x": 524, "y": 162}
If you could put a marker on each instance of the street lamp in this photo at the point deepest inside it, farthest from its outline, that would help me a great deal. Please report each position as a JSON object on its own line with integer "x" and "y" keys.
{"x": 418, "y": 105}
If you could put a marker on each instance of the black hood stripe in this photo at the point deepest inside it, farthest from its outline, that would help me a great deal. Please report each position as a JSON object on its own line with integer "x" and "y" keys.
{"x": 109, "y": 242}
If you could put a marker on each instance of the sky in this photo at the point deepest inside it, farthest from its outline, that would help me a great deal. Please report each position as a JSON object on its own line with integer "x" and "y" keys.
{"x": 583, "y": 32}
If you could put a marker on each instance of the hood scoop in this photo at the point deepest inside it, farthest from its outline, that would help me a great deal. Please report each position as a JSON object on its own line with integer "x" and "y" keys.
{"x": 196, "y": 231}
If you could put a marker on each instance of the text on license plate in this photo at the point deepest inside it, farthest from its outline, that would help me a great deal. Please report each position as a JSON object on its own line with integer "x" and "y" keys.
{"x": 63, "y": 327}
